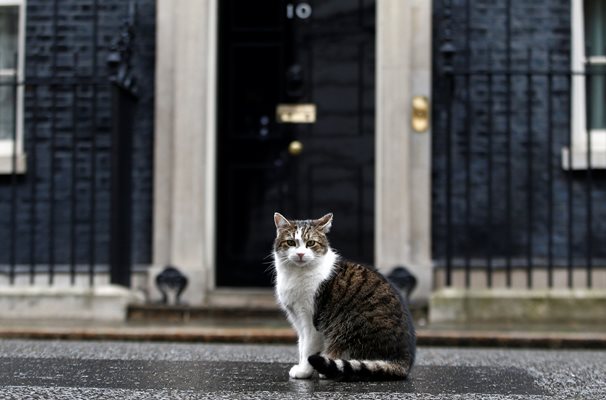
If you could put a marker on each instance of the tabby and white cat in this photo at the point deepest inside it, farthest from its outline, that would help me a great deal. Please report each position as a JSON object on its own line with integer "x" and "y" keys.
{"x": 351, "y": 322}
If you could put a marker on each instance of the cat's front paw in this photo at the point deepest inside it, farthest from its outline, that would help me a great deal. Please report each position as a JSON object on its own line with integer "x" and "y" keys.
{"x": 301, "y": 371}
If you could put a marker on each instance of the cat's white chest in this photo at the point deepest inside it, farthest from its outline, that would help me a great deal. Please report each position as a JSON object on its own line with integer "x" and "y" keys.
{"x": 296, "y": 291}
{"x": 296, "y": 287}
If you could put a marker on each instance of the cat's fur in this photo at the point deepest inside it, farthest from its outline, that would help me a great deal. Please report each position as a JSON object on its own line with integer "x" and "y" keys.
{"x": 351, "y": 322}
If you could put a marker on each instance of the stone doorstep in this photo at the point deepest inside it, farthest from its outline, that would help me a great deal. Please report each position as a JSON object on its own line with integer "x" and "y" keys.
{"x": 159, "y": 312}
{"x": 153, "y": 334}
{"x": 162, "y": 313}
{"x": 102, "y": 303}
{"x": 453, "y": 305}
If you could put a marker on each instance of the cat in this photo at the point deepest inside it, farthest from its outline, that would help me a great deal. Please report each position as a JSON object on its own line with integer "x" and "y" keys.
{"x": 352, "y": 324}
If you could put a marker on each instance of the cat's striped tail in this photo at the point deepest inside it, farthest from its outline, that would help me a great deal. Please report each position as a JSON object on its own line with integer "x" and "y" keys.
{"x": 358, "y": 370}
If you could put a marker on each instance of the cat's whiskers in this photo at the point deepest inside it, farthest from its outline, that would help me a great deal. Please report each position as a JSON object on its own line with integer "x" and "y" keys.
{"x": 271, "y": 265}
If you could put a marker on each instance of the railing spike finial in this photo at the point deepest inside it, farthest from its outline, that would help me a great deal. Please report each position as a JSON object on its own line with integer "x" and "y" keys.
{"x": 447, "y": 48}
{"x": 119, "y": 59}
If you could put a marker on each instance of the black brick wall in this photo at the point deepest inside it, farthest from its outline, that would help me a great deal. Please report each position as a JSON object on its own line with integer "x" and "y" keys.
{"x": 53, "y": 37}
{"x": 539, "y": 37}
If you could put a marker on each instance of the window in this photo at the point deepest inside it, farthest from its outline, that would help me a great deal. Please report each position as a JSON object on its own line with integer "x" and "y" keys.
{"x": 595, "y": 48}
{"x": 588, "y": 91}
{"x": 12, "y": 39}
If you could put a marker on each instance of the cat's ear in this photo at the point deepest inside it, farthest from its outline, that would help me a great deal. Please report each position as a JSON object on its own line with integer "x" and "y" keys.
{"x": 280, "y": 221}
{"x": 324, "y": 223}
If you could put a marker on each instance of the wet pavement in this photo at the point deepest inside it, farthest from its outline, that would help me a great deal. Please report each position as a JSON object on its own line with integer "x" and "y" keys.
{"x": 135, "y": 370}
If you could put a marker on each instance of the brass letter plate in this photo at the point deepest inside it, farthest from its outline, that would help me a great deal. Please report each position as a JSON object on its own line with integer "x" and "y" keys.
{"x": 296, "y": 113}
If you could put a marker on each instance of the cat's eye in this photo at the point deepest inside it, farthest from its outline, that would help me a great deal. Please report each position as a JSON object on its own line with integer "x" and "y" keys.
{"x": 310, "y": 243}
{"x": 291, "y": 243}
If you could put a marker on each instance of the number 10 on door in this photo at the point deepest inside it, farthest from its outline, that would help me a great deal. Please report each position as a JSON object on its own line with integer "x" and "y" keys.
{"x": 300, "y": 11}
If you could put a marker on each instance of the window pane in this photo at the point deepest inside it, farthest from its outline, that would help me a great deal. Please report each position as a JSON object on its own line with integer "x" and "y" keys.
{"x": 596, "y": 96}
{"x": 7, "y": 110}
{"x": 9, "y": 31}
{"x": 595, "y": 27}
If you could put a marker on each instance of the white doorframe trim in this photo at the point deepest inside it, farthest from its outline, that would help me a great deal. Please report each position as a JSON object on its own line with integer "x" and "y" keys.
{"x": 184, "y": 176}
{"x": 403, "y": 157}
{"x": 185, "y": 143}
{"x": 210, "y": 211}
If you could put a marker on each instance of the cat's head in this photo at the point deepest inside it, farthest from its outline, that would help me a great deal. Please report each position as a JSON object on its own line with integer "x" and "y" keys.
{"x": 301, "y": 242}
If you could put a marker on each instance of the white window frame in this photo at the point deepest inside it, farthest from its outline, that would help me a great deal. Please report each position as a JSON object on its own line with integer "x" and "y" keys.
{"x": 579, "y": 140}
{"x": 8, "y": 145}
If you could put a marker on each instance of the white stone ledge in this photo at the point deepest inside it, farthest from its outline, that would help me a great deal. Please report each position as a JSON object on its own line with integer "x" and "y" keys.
{"x": 518, "y": 305}
{"x": 6, "y": 164}
{"x": 579, "y": 160}
{"x": 106, "y": 303}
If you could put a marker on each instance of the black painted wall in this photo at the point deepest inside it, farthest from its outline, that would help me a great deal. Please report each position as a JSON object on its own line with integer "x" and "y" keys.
{"x": 530, "y": 35}
{"x": 55, "y": 32}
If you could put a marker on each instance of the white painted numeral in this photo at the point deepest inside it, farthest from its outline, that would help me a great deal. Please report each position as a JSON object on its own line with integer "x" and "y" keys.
{"x": 301, "y": 11}
{"x": 290, "y": 11}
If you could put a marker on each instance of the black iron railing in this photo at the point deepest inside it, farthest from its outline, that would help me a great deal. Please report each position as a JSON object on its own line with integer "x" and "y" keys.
{"x": 66, "y": 157}
{"x": 515, "y": 190}
{"x": 65, "y": 199}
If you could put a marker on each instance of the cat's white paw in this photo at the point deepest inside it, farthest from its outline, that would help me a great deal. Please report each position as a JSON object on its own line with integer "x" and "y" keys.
{"x": 322, "y": 376}
{"x": 301, "y": 371}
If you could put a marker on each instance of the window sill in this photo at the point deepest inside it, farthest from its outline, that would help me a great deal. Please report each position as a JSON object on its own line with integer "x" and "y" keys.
{"x": 6, "y": 164}
{"x": 579, "y": 159}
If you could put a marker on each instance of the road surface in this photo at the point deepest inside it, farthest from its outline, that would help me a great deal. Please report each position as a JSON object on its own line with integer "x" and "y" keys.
{"x": 132, "y": 370}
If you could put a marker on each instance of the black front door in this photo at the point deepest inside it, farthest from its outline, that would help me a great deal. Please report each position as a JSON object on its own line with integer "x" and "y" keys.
{"x": 282, "y": 52}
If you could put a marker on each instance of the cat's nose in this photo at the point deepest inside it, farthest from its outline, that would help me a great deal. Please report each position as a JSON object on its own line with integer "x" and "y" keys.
{"x": 301, "y": 256}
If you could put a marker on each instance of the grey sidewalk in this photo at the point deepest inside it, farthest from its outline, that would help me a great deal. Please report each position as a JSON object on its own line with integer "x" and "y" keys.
{"x": 129, "y": 370}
